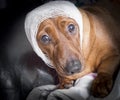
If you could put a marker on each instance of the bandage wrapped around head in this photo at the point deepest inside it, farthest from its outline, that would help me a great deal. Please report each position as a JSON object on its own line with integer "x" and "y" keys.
{"x": 49, "y": 10}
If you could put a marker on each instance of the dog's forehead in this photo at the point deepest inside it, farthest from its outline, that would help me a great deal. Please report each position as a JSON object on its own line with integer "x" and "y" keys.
{"x": 56, "y": 21}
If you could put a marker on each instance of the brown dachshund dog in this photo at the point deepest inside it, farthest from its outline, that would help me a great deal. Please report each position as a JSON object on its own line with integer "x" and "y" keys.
{"x": 75, "y": 54}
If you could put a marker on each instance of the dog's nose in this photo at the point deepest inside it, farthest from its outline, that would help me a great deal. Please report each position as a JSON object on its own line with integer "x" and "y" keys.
{"x": 73, "y": 66}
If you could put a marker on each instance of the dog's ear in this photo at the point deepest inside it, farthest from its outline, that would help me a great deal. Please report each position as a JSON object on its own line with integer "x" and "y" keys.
{"x": 86, "y": 32}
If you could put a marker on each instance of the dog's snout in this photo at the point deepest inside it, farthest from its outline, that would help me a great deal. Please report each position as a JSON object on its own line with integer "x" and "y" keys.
{"x": 73, "y": 67}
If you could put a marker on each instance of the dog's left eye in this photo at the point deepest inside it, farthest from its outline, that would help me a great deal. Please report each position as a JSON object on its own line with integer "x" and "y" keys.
{"x": 71, "y": 28}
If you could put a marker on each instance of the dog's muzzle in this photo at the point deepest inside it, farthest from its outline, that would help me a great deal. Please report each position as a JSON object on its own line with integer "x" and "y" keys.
{"x": 72, "y": 67}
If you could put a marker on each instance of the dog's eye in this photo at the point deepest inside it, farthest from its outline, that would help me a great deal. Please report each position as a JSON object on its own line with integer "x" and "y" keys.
{"x": 45, "y": 39}
{"x": 71, "y": 28}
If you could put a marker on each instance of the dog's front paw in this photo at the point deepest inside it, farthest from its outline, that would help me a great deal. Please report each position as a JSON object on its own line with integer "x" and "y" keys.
{"x": 102, "y": 85}
{"x": 65, "y": 83}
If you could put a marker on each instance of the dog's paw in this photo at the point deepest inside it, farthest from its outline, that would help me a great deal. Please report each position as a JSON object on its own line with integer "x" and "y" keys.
{"x": 65, "y": 83}
{"x": 102, "y": 85}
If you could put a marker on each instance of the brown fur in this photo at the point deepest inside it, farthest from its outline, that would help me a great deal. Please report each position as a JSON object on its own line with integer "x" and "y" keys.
{"x": 99, "y": 53}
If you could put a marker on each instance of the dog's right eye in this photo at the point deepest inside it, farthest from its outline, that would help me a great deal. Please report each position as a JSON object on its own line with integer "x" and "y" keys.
{"x": 45, "y": 39}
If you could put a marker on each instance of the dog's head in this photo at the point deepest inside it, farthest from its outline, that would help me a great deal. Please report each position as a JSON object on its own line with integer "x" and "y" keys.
{"x": 59, "y": 39}
{"x": 55, "y": 33}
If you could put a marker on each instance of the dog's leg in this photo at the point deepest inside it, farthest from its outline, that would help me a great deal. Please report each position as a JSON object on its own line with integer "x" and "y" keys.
{"x": 103, "y": 83}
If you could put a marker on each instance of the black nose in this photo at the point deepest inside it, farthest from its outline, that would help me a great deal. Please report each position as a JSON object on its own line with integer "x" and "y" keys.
{"x": 73, "y": 66}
